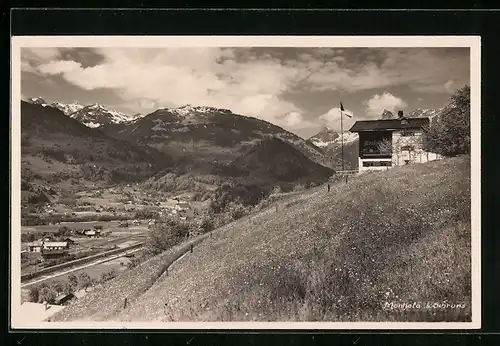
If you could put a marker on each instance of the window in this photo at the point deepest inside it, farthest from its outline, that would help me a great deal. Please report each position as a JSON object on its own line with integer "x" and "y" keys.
{"x": 407, "y": 148}
{"x": 407, "y": 133}
{"x": 377, "y": 163}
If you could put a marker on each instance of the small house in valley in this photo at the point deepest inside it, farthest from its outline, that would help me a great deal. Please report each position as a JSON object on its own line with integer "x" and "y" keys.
{"x": 56, "y": 245}
{"x": 92, "y": 233}
{"x": 63, "y": 298}
{"x": 70, "y": 241}
{"x": 54, "y": 249}
{"x": 35, "y": 246}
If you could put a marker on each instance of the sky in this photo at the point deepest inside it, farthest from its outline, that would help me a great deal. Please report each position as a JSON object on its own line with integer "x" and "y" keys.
{"x": 299, "y": 89}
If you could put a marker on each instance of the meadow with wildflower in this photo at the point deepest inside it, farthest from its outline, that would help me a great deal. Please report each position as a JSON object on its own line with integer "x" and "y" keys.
{"x": 397, "y": 236}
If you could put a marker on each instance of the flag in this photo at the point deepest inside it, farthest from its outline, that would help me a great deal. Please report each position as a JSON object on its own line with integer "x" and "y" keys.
{"x": 343, "y": 110}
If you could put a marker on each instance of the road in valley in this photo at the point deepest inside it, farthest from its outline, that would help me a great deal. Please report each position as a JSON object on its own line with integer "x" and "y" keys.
{"x": 74, "y": 269}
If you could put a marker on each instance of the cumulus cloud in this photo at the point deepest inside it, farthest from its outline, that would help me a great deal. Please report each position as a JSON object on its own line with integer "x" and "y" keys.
{"x": 376, "y": 105}
{"x": 175, "y": 77}
{"x": 31, "y": 57}
{"x": 424, "y": 70}
{"x": 332, "y": 119}
{"x": 59, "y": 66}
{"x": 247, "y": 82}
{"x": 295, "y": 121}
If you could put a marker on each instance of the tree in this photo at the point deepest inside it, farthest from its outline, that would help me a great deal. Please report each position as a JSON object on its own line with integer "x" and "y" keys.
{"x": 235, "y": 210}
{"x": 67, "y": 288}
{"x": 47, "y": 294}
{"x": 385, "y": 147}
{"x": 276, "y": 190}
{"x": 34, "y": 294}
{"x": 298, "y": 187}
{"x": 73, "y": 282}
{"x": 165, "y": 233}
{"x": 134, "y": 262}
{"x": 28, "y": 237}
{"x": 58, "y": 286}
{"x": 108, "y": 275}
{"x": 63, "y": 231}
{"x": 84, "y": 280}
{"x": 206, "y": 224}
{"x": 449, "y": 133}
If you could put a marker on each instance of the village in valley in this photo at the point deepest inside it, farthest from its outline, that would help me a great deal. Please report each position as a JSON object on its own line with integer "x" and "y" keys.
{"x": 101, "y": 248}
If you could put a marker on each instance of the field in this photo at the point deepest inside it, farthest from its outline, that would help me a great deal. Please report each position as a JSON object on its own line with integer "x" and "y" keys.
{"x": 106, "y": 225}
{"x": 94, "y": 271}
{"x": 120, "y": 236}
{"x": 398, "y": 236}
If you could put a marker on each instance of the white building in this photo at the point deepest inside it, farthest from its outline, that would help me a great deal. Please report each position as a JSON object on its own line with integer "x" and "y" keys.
{"x": 392, "y": 142}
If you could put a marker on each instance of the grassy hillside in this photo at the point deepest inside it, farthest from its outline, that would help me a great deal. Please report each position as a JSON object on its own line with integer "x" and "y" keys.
{"x": 401, "y": 235}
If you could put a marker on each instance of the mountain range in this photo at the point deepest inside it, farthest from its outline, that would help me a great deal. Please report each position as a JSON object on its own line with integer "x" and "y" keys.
{"x": 71, "y": 144}
{"x": 94, "y": 115}
{"x": 205, "y": 135}
{"x": 281, "y": 161}
{"x": 60, "y": 152}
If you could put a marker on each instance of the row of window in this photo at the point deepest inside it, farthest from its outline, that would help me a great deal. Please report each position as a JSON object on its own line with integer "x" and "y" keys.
{"x": 377, "y": 164}
{"x": 407, "y": 133}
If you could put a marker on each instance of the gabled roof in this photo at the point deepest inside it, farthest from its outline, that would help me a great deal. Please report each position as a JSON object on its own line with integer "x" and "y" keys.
{"x": 55, "y": 243}
{"x": 389, "y": 124}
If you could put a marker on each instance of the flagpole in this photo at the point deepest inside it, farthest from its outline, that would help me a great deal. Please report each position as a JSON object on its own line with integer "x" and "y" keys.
{"x": 342, "y": 139}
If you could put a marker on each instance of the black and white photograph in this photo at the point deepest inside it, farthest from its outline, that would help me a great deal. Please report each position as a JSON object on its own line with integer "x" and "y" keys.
{"x": 245, "y": 182}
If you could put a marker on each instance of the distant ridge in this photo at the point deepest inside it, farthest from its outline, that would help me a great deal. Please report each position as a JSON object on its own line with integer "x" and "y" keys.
{"x": 274, "y": 159}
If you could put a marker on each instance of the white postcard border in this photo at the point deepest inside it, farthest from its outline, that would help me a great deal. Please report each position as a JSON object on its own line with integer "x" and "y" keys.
{"x": 473, "y": 42}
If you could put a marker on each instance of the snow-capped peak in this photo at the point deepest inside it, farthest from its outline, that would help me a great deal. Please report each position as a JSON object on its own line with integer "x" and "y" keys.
{"x": 37, "y": 100}
{"x": 67, "y": 108}
{"x": 328, "y": 136}
{"x": 189, "y": 109}
{"x": 425, "y": 112}
{"x": 96, "y": 115}
{"x": 97, "y": 106}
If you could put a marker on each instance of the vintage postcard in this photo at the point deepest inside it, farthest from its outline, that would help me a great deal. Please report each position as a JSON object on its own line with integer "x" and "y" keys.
{"x": 223, "y": 182}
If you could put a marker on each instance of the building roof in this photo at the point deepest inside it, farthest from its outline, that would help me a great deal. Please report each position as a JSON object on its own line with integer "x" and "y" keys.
{"x": 36, "y": 312}
{"x": 389, "y": 124}
{"x": 56, "y": 243}
{"x": 63, "y": 296}
{"x": 35, "y": 243}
